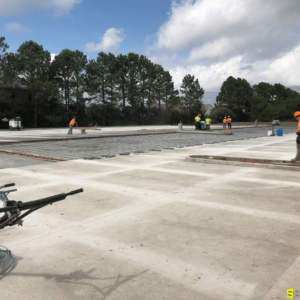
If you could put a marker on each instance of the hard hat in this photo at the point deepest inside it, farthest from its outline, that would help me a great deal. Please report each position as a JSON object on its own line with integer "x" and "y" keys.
{"x": 297, "y": 114}
{"x": 228, "y": 116}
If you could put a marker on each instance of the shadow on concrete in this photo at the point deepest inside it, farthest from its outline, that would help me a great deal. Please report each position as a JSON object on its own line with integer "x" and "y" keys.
{"x": 16, "y": 260}
{"x": 77, "y": 277}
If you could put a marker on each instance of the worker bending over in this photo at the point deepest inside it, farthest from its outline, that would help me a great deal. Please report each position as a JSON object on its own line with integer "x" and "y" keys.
{"x": 72, "y": 124}
{"x": 224, "y": 122}
{"x": 208, "y": 122}
{"x": 229, "y": 122}
{"x": 297, "y": 117}
{"x": 197, "y": 122}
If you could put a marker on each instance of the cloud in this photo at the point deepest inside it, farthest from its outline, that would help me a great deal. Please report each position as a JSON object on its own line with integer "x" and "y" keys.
{"x": 284, "y": 70}
{"x": 214, "y": 30}
{"x": 15, "y": 28}
{"x": 110, "y": 42}
{"x": 53, "y": 56}
{"x": 258, "y": 40}
{"x": 12, "y": 7}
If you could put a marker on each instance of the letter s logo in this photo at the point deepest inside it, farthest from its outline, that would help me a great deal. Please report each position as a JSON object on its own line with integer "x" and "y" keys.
{"x": 290, "y": 293}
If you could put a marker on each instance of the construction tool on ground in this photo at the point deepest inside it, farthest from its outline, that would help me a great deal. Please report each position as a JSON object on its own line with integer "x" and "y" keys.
{"x": 82, "y": 130}
{"x": 12, "y": 216}
{"x": 12, "y": 209}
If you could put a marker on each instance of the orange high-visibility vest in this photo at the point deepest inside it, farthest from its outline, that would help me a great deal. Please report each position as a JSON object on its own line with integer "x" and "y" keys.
{"x": 225, "y": 121}
{"x": 298, "y": 129}
{"x": 72, "y": 123}
{"x": 229, "y": 120}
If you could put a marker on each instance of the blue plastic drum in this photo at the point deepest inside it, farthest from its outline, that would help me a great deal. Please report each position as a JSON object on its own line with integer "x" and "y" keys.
{"x": 279, "y": 131}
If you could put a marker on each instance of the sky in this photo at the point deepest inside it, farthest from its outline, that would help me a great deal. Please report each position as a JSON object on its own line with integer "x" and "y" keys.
{"x": 258, "y": 40}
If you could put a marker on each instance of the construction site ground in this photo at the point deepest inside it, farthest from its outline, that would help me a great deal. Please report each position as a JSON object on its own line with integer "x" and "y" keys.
{"x": 41, "y": 134}
{"x": 152, "y": 225}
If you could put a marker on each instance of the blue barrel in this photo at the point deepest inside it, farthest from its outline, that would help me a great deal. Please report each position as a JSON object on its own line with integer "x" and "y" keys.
{"x": 279, "y": 131}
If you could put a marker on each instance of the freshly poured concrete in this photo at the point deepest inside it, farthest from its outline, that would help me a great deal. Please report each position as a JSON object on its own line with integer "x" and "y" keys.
{"x": 7, "y": 136}
{"x": 61, "y": 133}
{"x": 153, "y": 226}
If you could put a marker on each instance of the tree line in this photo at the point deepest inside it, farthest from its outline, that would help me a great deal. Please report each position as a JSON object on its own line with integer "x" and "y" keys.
{"x": 121, "y": 90}
{"x": 263, "y": 101}
{"x": 109, "y": 90}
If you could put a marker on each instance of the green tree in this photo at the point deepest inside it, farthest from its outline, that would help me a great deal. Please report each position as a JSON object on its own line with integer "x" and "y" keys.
{"x": 192, "y": 94}
{"x": 68, "y": 70}
{"x": 8, "y": 69}
{"x": 236, "y": 94}
{"x": 219, "y": 112}
{"x": 143, "y": 77}
{"x": 133, "y": 83}
{"x": 78, "y": 79}
{"x": 159, "y": 85}
{"x": 113, "y": 87}
{"x": 171, "y": 96}
{"x": 123, "y": 67}
{"x": 3, "y": 48}
{"x": 149, "y": 84}
{"x": 274, "y": 102}
{"x": 8, "y": 80}
{"x": 102, "y": 79}
{"x": 34, "y": 72}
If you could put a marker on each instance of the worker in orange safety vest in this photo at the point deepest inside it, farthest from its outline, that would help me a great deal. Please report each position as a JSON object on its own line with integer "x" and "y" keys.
{"x": 71, "y": 125}
{"x": 229, "y": 122}
{"x": 224, "y": 122}
{"x": 297, "y": 117}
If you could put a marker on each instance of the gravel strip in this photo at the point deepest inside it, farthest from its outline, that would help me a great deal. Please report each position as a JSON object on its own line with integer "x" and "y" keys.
{"x": 12, "y": 161}
{"x": 111, "y": 146}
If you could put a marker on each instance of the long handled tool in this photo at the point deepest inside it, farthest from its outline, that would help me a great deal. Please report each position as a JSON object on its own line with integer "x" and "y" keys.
{"x": 12, "y": 216}
{"x": 13, "y": 209}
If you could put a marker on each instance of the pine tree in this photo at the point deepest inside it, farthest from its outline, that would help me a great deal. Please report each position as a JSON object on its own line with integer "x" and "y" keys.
{"x": 34, "y": 73}
{"x": 192, "y": 95}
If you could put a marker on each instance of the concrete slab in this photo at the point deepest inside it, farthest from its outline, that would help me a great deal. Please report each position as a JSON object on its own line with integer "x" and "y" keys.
{"x": 153, "y": 226}
{"x": 61, "y": 133}
{"x": 29, "y": 135}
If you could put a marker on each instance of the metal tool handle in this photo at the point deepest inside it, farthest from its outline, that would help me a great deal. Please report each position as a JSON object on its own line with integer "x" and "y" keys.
{"x": 48, "y": 200}
{"x": 40, "y": 202}
{"x": 7, "y": 185}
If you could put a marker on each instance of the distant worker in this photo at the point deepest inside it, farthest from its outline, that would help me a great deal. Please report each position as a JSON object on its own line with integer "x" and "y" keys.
{"x": 197, "y": 122}
{"x": 229, "y": 122}
{"x": 224, "y": 122}
{"x": 72, "y": 124}
{"x": 208, "y": 122}
{"x": 297, "y": 117}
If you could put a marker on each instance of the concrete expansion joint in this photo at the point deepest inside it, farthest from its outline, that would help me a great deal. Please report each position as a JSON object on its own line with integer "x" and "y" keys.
{"x": 245, "y": 163}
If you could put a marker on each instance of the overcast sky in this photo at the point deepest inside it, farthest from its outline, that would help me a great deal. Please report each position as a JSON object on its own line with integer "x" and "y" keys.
{"x": 258, "y": 40}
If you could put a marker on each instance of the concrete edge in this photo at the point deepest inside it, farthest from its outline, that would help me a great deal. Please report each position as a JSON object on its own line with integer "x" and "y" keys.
{"x": 241, "y": 164}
